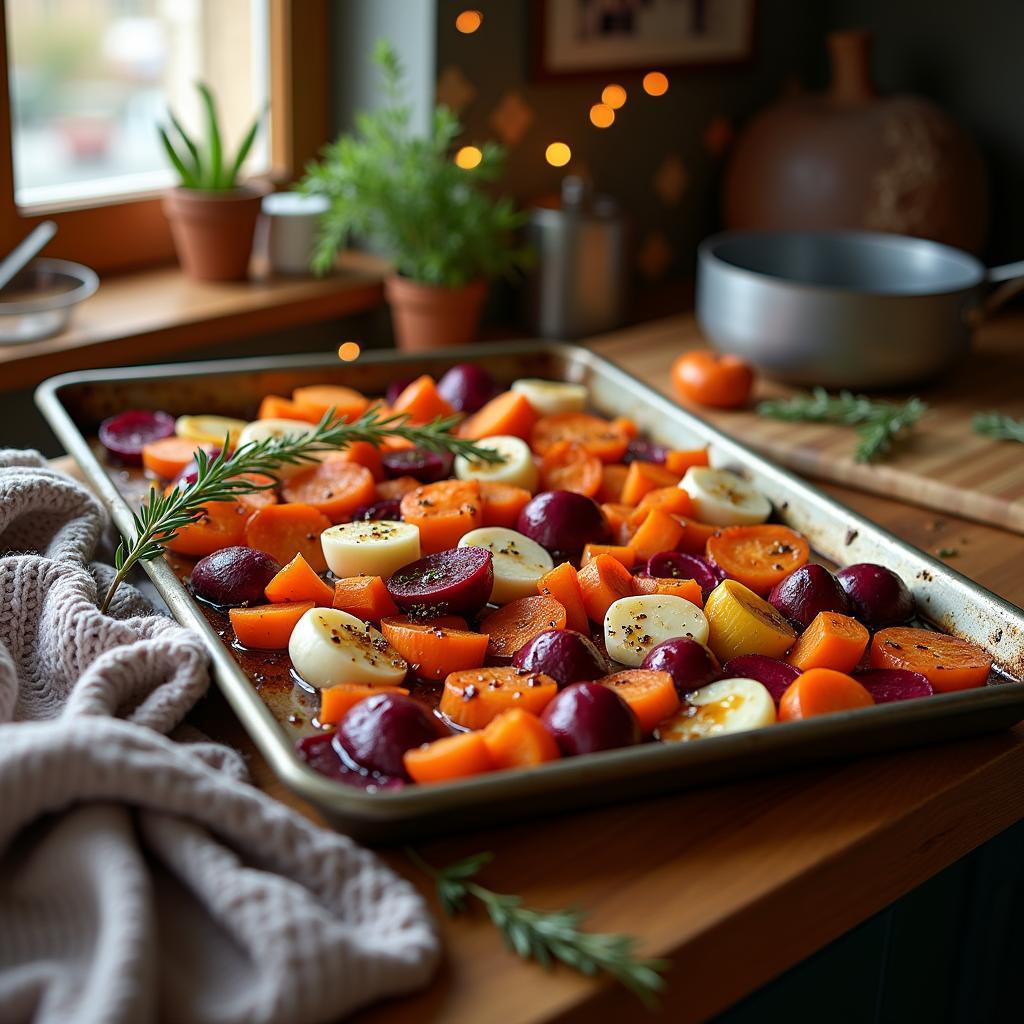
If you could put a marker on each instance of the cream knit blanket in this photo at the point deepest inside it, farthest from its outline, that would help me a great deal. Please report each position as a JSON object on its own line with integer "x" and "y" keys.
{"x": 143, "y": 879}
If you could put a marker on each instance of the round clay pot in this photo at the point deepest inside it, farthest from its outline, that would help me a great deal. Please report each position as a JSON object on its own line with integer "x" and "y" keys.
{"x": 851, "y": 159}
{"x": 213, "y": 231}
{"x": 427, "y": 317}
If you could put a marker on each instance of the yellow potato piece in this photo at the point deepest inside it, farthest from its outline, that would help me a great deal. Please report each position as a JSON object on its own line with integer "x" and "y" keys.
{"x": 740, "y": 622}
{"x": 209, "y": 429}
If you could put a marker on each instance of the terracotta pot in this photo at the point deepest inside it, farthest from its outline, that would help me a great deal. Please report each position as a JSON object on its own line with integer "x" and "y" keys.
{"x": 428, "y": 317}
{"x": 852, "y": 159}
{"x": 213, "y": 231}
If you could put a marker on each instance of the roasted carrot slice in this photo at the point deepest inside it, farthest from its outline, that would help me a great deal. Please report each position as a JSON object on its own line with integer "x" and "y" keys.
{"x": 673, "y": 500}
{"x": 519, "y": 739}
{"x": 222, "y": 525}
{"x": 613, "y": 476}
{"x": 363, "y": 454}
{"x": 758, "y": 556}
{"x": 475, "y": 697}
{"x": 688, "y": 590}
{"x": 509, "y": 413}
{"x": 520, "y": 621}
{"x": 297, "y": 582}
{"x": 603, "y": 580}
{"x": 258, "y": 499}
{"x": 337, "y": 701}
{"x": 421, "y": 402}
{"x": 621, "y": 552}
{"x": 830, "y": 640}
{"x": 319, "y": 399}
{"x": 617, "y": 515}
{"x": 658, "y": 532}
{"x": 451, "y": 757}
{"x": 365, "y": 597}
{"x": 696, "y": 536}
{"x": 651, "y": 695}
{"x": 388, "y": 490}
{"x": 601, "y": 438}
{"x": 679, "y": 460}
{"x": 822, "y": 691}
{"x": 444, "y": 512}
{"x": 267, "y": 627}
{"x": 948, "y": 662}
{"x": 644, "y": 477}
{"x": 333, "y": 487}
{"x": 627, "y": 426}
{"x": 563, "y": 585}
{"x": 287, "y": 530}
{"x": 274, "y": 407}
{"x": 502, "y": 503}
{"x": 434, "y": 651}
{"x": 568, "y": 466}
{"x": 167, "y": 457}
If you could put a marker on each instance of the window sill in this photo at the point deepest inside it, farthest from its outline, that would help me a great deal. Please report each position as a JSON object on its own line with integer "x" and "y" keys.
{"x": 161, "y": 312}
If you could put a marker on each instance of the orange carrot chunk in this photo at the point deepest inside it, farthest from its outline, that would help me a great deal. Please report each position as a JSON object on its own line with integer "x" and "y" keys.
{"x": 297, "y": 582}
{"x": 388, "y": 490}
{"x": 673, "y": 500}
{"x": 519, "y": 739}
{"x": 222, "y": 525}
{"x": 688, "y": 590}
{"x": 451, "y": 757}
{"x": 268, "y": 627}
{"x": 563, "y": 585}
{"x": 421, "y": 402}
{"x": 474, "y": 698}
{"x": 621, "y": 552}
{"x": 613, "y": 476}
{"x": 319, "y": 399}
{"x": 658, "y": 532}
{"x": 434, "y": 651}
{"x": 274, "y": 407}
{"x": 603, "y": 580}
{"x": 520, "y": 621}
{"x": 337, "y": 701}
{"x": 568, "y": 466}
{"x": 509, "y": 413}
{"x": 334, "y": 488}
{"x": 502, "y": 503}
{"x": 603, "y": 439}
{"x": 696, "y": 535}
{"x": 363, "y": 454}
{"x": 822, "y": 691}
{"x": 832, "y": 641}
{"x": 256, "y": 500}
{"x": 444, "y": 512}
{"x": 644, "y": 477}
{"x": 365, "y": 597}
{"x": 651, "y": 695}
{"x": 948, "y": 662}
{"x": 167, "y": 457}
{"x": 758, "y": 556}
{"x": 679, "y": 461}
{"x": 287, "y": 530}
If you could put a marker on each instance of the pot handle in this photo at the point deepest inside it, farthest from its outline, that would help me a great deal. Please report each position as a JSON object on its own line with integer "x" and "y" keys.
{"x": 1006, "y": 281}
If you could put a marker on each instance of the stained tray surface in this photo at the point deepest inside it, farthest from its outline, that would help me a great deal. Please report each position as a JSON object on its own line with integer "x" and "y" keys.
{"x": 276, "y": 710}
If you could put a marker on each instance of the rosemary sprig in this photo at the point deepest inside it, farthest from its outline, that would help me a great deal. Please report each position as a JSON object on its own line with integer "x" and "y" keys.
{"x": 547, "y": 935}
{"x": 878, "y": 423}
{"x": 998, "y": 426}
{"x": 217, "y": 478}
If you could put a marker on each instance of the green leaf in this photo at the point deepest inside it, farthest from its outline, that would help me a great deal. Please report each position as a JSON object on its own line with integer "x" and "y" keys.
{"x": 243, "y": 152}
{"x": 216, "y": 171}
{"x": 197, "y": 162}
{"x": 998, "y": 426}
{"x": 188, "y": 179}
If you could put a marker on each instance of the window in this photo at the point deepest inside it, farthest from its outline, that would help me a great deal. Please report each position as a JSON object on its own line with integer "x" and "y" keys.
{"x": 85, "y": 83}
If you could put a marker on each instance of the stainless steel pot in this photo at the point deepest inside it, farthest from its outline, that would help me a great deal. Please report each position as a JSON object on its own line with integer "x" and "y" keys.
{"x": 844, "y": 308}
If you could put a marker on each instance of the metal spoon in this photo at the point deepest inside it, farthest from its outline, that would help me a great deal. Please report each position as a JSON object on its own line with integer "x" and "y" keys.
{"x": 25, "y": 251}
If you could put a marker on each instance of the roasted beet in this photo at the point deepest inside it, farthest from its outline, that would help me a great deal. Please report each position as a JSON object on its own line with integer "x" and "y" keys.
{"x": 234, "y": 576}
{"x": 807, "y": 591}
{"x": 395, "y": 388}
{"x": 453, "y": 582}
{"x": 774, "y": 675}
{"x": 587, "y": 717}
{"x": 680, "y": 566}
{"x": 377, "y": 731}
{"x": 640, "y": 449}
{"x": 890, "y": 684}
{"x": 565, "y": 655}
{"x": 425, "y": 466}
{"x": 319, "y": 753}
{"x": 125, "y": 434}
{"x": 563, "y": 522}
{"x": 690, "y": 664}
{"x": 877, "y": 595}
{"x": 467, "y": 387}
{"x": 389, "y": 508}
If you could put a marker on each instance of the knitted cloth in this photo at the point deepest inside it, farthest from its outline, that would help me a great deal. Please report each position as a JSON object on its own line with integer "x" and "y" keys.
{"x": 143, "y": 879}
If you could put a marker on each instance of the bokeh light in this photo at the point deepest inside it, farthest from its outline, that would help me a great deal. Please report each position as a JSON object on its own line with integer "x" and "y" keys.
{"x": 601, "y": 115}
{"x": 469, "y": 21}
{"x": 558, "y": 154}
{"x": 349, "y": 350}
{"x": 614, "y": 96}
{"x": 655, "y": 83}
{"x": 468, "y": 157}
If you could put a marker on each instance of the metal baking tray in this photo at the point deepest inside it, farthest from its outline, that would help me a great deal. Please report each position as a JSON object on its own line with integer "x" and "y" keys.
{"x": 74, "y": 404}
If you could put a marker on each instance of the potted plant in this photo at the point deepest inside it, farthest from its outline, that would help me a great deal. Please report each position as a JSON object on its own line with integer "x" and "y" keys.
{"x": 446, "y": 236}
{"x": 212, "y": 217}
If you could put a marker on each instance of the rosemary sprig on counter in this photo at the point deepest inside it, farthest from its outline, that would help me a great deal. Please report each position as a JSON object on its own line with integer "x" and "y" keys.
{"x": 218, "y": 478}
{"x": 998, "y": 426}
{"x": 547, "y": 935}
{"x": 878, "y": 423}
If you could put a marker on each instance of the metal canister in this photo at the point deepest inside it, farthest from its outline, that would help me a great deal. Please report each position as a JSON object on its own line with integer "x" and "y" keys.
{"x": 578, "y": 284}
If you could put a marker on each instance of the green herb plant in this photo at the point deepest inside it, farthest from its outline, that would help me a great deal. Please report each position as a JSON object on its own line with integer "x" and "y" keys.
{"x": 161, "y": 516}
{"x": 998, "y": 426}
{"x": 202, "y": 164}
{"x": 546, "y": 936}
{"x": 404, "y": 193}
{"x": 878, "y": 424}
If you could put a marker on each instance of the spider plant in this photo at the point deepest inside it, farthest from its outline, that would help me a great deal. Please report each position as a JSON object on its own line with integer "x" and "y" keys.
{"x": 202, "y": 165}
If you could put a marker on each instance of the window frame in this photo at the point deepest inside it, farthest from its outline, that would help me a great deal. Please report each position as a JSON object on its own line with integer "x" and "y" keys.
{"x": 120, "y": 233}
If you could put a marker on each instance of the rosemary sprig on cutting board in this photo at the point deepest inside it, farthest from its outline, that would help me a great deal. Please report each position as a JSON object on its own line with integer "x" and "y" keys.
{"x": 219, "y": 478}
{"x": 878, "y": 424}
{"x": 998, "y": 426}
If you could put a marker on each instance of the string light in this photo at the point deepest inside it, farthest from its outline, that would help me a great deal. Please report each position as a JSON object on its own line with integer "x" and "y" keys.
{"x": 558, "y": 154}
{"x": 468, "y": 157}
{"x": 348, "y": 351}
{"x": 655, "y": 83}
{"x": 601, "y": 115}
{"x": 613, "y": 96}
{"x": 469, "y": 21}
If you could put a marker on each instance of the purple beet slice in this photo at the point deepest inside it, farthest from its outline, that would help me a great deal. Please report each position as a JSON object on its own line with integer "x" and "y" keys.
{"x": 319, "y": 753}
{"x": 642, "y": 450}
{"x": 453, "y": 582}
{"x": 125, "y": 434}
{"x": 389, "y": 508}
{"x": 890, "y": 684}
{"x": 426, "y": 466}
{"x": 681, "y": 566}
{"x": 774, "y": 675}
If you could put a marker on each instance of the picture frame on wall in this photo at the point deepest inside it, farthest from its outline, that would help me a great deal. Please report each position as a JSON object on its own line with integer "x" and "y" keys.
{"x": 595, "y": 37}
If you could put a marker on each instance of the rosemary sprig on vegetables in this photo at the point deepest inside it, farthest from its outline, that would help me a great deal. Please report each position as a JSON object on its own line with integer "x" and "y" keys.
{"x": 998, "y": 426}
{"x": 218, "y": 478}
{"x": 547, "y": 935}
{"x": 878, "y": 423}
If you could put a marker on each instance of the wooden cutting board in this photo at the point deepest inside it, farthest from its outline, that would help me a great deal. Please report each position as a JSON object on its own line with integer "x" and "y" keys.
{"x": 942, "y": 465}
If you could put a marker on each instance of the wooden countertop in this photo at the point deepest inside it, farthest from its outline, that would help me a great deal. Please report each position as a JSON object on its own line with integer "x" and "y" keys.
{"x": 734, "y": 883}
